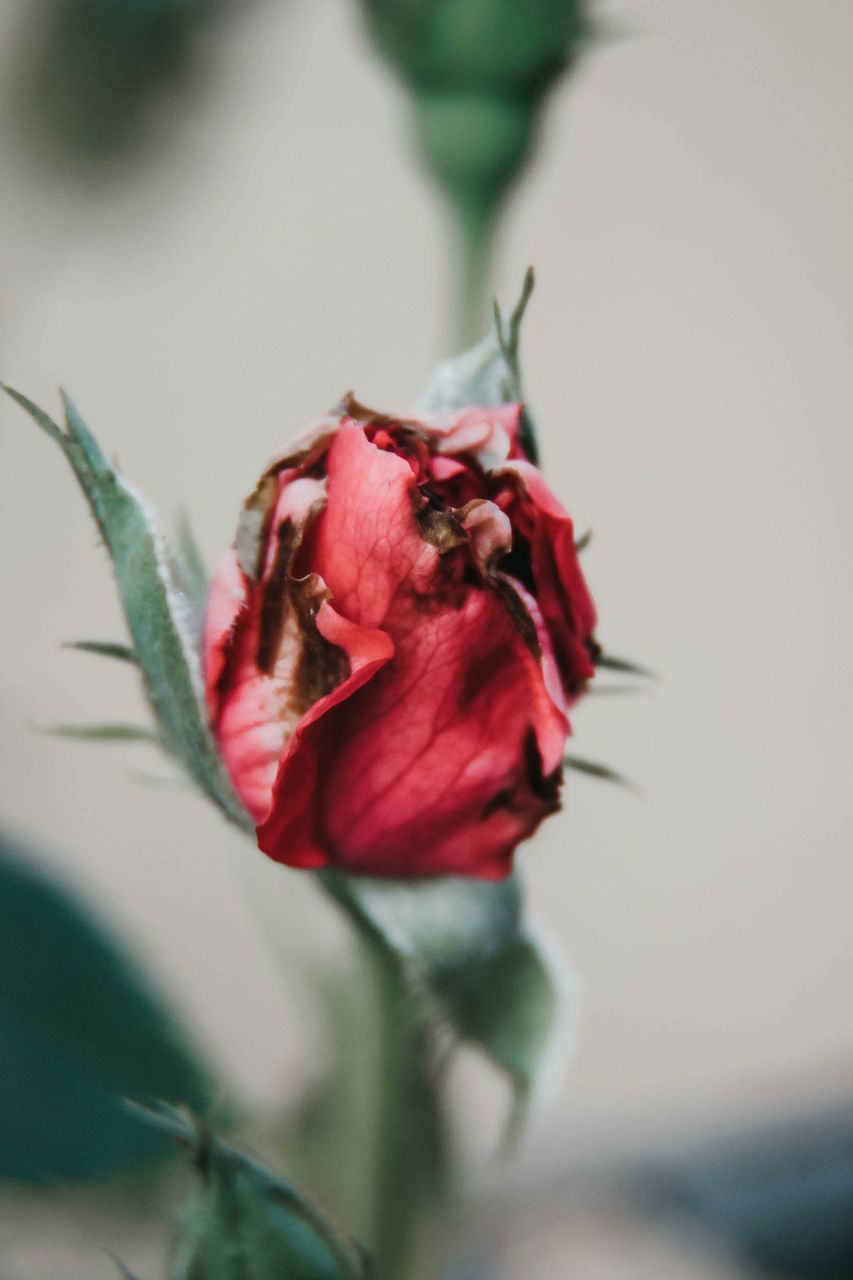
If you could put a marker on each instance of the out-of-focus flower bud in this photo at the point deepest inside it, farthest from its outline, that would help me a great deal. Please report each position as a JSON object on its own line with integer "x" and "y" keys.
{"x": 478, "y": 71}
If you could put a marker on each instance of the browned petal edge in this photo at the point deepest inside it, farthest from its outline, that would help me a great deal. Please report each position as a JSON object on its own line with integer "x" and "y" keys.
{"x": 442, "y": 526}
{"x": 519, "y": 614}
{"x": 438, "y": 524}
{"x": 321, "y": 665}
{"x": 546, "y": 787}
{"x": 350, "y": 407}
{"x": 305, "y": 452}
{"x": 253, "y": 526}
{"x": 274, "y": 599}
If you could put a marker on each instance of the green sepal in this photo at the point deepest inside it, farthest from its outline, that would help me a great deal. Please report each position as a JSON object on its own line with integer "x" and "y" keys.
{"x": 80, "y": 1029}
{"x": 156, "y": 606}
{"x": 467, "y": 957}
{"x": 487, "y": 374}
{"x": 508, "y": 1005}
{"x": 245, "y": 1222}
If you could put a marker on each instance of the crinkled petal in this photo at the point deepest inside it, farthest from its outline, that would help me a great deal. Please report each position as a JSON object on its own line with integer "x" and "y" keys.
{"x": 226, "y": 601}
{"x": 294, "y": 829}
{"x": 255, "y": 637}
{"x": 490, "y": 434}
{"x": 367, "y": 546}
{"x": 561, "y": 589}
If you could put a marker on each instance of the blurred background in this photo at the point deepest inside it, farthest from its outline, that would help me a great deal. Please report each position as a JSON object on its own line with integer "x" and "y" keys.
{"x": 262, "y": 240}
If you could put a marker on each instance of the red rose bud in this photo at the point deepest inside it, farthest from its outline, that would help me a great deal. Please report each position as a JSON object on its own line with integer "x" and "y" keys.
{"x": 392, "y": 645}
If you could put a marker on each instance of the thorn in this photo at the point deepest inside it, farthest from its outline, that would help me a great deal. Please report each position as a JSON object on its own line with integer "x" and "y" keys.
{"x": 101, "y": 732}
{"x": 609, "y": 663}
{"x": 520, "y": 308}
{"x": 103, "y": 649}
{"x": 602, "y": 772}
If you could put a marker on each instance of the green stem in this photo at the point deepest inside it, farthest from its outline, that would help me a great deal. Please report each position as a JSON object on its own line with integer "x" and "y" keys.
{"x": 407, "y": 1168}
{"x": 408, "y": 1175}
{"x": 394, "y": 1204}
{"x": 475, "y": 234}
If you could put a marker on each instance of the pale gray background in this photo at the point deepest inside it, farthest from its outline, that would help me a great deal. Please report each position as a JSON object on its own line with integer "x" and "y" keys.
{"x": 687, "y": 354}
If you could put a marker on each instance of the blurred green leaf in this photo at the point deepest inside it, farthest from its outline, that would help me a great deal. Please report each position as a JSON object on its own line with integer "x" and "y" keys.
{"x": 246, "y": 1223}
{"x": 156, "y": 608}
{"x": 95, "y": 67}
{"x": 80, "y": 1029}
{"x": 775, "y": 1195}
{"x": 478, "y": 72}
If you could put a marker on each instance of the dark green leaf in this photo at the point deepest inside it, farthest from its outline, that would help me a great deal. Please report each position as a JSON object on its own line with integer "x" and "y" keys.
{"x": 80, "y": 1029}
{"x": 155, "y": 607}
{"x": 246, "y": 1223}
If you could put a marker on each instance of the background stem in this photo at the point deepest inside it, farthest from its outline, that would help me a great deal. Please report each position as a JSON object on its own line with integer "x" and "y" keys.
{"x": 475, "y": 224}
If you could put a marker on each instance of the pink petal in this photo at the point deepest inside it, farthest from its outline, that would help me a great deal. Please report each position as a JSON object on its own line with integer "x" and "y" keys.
{"x": 226, "y": 601}
{"x": 293, "y": 831}
{"x": 561, "y": 589}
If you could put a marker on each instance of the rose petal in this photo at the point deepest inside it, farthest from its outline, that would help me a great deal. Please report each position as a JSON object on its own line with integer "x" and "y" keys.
{"x": 488, "y": 528}
{"x": 367, "y": 543}
{"x": 226, "y": 601}
{"x": 293, "y": 831}
{"x": 561, "y": 589}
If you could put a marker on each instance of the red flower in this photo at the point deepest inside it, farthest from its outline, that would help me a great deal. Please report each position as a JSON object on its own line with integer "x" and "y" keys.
{"x": 392, "y": 644}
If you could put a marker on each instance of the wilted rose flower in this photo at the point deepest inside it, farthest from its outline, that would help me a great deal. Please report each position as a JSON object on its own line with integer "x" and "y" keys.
{"x": 392, "y": 645}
